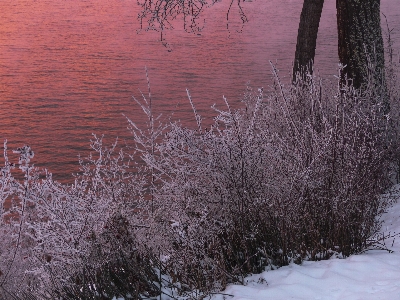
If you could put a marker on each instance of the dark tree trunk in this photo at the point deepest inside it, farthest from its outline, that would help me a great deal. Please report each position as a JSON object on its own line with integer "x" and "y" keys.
{"x": 307, "y": 36}
{"x": 360, "y": 44}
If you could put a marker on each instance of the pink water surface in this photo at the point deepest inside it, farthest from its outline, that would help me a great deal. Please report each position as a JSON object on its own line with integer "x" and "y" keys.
{"x": 69, "y": 68}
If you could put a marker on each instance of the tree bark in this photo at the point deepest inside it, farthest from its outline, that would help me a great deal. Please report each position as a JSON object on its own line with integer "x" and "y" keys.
{"x": 360, "y": 42}
{"x": 307, "y": 37}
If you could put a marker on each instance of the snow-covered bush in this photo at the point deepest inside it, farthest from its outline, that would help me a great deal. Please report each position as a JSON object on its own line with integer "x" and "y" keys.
{"x": 15, "y": 208}
{"x": 294, "y": 174}
{"x": 55, "y": 229}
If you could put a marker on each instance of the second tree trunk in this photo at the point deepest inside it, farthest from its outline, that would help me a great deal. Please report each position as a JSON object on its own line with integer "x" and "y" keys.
{"x": 307, "y": 36}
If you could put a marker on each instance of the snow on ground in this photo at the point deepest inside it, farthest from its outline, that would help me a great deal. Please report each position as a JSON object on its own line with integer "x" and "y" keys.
{"x": 372, "y": 275}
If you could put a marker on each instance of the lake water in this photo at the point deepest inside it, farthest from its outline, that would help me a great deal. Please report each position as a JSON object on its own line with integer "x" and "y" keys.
{"x": 70, "y": 68}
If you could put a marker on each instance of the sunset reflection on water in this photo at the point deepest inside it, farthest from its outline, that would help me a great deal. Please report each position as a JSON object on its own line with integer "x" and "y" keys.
{"x": 69, "y": 68}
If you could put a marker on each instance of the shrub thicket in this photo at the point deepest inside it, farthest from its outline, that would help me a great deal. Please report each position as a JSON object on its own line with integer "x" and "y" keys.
{"x": 293, "y": 175}
{"x": 296, "y": 174}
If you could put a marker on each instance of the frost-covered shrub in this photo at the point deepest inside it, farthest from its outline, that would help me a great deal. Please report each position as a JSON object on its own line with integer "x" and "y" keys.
{"x": 15, "y": 208}
{"x": 112, "y": 268}
{"x": 293, "y": 175}
{"x": 53, "y": 228}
